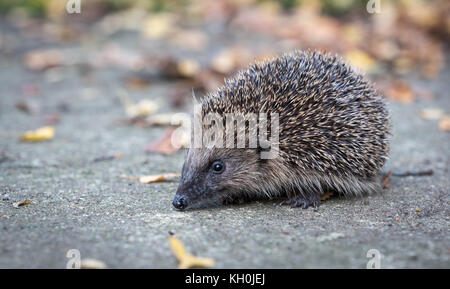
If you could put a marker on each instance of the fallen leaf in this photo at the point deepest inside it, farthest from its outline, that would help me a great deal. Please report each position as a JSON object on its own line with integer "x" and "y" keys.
{"x": 157, "y": 25}
{"x": 134, "y": 110}
{"x": 25, "y": 107}
{"x": 21, "y": 204}
{"x": 157, "y": 178}
{"x": 326, "y": 196}
{"x": 224, "y": 62}
{"x": 444, "y": 123}
{"x": 136, "y": 83}
{"x": 185, "y": 259}
{"x": 41, "y": 134}
{"x": 163, "y": 145}
{"x": 43, "y": 59}
{"x": 167, "y": 119}
{"x": 431, "y": 113}
{"x": 418, "y": 210}
{"x": 230, "y": 59}
{"x": 400, "y": 91}
{"x": 124, "y": 176}
{"x": 92, "y": 264}
{"x": 360, "y": 59}
{"x": 108, "y": 157}
{"x": 142, "y": 108}
{"x": 188, "y": 68}
{"x": 353, "y": 34}
{"x": 208, "y": 80}
{"x": 385, "y": 182}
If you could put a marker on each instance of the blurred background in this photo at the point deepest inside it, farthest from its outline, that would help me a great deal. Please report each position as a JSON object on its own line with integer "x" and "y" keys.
{"x": 195, "y": 44}
{"x": 88, "y": 103}
{"x": 124, "y": 49}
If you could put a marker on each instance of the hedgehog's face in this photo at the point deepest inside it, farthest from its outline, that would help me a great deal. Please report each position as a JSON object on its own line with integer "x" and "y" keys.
{"x": 211, "y": 176}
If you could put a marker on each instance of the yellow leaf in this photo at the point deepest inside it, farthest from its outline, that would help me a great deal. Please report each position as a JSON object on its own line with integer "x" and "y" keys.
{"x": 41, "y": 134}
{"x": 157, "y": 25}
{"x": 157, "y": 178}
{"x": 188, "y": 68}
{"x": 22, "y": 203}
{"x": 142, "y": 108}
{"x": 187, "y": 260}
{"x": 360, "y": 59}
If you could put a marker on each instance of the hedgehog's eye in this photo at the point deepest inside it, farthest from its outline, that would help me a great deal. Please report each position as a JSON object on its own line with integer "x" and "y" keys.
{"x": 217, "y": 167}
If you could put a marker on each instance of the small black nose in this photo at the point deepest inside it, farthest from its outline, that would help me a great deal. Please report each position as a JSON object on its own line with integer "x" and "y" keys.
{"x": 179, "y": 202}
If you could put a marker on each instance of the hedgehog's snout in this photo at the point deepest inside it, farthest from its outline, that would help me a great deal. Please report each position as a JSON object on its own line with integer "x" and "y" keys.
{"x": 180, "y": 202}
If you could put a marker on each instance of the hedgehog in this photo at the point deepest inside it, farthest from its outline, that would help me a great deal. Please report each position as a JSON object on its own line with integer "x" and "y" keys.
{"x": 332, "y": 129}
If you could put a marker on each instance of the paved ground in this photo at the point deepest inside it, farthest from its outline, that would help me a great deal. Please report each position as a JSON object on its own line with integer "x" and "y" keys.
{"x": 84, "y": 205}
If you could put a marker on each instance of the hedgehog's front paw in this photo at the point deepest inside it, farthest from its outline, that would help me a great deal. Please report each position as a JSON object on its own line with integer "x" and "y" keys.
{"x": 303, "y": 202}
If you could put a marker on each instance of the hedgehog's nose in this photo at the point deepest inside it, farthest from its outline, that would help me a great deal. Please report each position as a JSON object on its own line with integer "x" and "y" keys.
{"x": 179, "y": 202}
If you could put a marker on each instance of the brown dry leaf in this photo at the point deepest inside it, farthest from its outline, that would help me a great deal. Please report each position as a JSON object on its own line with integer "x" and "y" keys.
{"x": 108, "y": 157}
{"x": 185, "y": 259}
{"x": 400, "y": 91}
{"x": 43, "y": 59}
{"x": 385, "y": 182}
{"x": 41, "y": 134}
{"x": 157, "y": 178}
{"x": 208, "y": 80}
{"x": 21, "y": 204}
{"x": 431, "y": 113}
{"x": 163, "y": 145}
{"x": 136, "y": 83}
{"x": 25, "y": 107}
{"x": 326, "y": 196}
{"x": 444, "y": 123}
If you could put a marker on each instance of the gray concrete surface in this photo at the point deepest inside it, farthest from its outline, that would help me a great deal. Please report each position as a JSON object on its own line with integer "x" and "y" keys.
{"x": 84, "y": 205}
